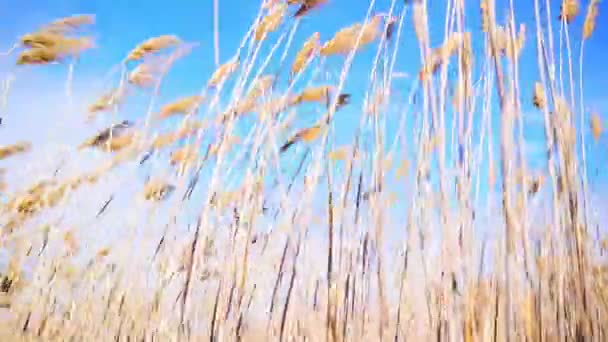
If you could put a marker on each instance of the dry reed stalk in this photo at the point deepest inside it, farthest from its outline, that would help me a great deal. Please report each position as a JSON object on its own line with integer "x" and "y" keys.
{"x": 559, "y": 301}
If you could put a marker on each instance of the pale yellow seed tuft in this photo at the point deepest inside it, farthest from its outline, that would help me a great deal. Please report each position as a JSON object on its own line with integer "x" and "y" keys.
{"x": 569, "y": 10}
{"x": 271, "y": 21}
{"x": 339, "y": 154}
{"x": 590, "y": 19}
{"x": 222, "y": 72}
{"x": 14, "y": 149}
{"x": 345, "y": 40}
{"x": 311, "y": 45}
{"x": 538, "y": 98}
{"x": 596, "y": 126}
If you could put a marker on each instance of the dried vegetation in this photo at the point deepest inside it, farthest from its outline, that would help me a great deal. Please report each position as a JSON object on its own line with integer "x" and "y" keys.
{"x": 424, "y": 222}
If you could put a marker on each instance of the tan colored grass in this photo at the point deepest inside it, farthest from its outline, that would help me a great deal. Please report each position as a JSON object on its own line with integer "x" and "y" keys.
{"x": 339, "y": 154}
{"x": 308, "y": 135}
{"x": 539, "y": 97}
{"x": 306, "y": 6}
{"x": 183, "y": 156}
{"x": 590, "y": 18}
{"x": 157, "y": 190}
{"x": 14, "y": 149}
{"x": 153, "y": 45}
{"x": 184, "y": 105}
{"x": 223, "y": 72}
{"x": 107, "y": 101}
{"x": 271, "y": 21}
{"x": 596, "y": 126}
{"x": 441, "y": 56}
{"x": 569, "y": 10}
{"x": 310, "y": 46}
{"x": 71, "y": 23}
{"x": 41, "y": 39}
{"x": 345, "y": 40}
{"x": 335, "y": 250}
{"x": 318, "y": 94}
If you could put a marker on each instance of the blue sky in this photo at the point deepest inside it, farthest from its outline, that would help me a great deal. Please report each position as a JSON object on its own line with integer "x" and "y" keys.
{"x": 123, "y": 24}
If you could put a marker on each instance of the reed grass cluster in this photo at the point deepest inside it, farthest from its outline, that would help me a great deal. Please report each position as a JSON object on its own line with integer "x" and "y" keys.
{"x": 242, "y": 211}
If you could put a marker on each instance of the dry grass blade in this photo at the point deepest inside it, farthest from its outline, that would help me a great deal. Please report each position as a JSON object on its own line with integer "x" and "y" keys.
{"x": 74, "y": 46}
{"x": 114, "y": 97}
{"x": 184, "y": 131}
{"x": 339, "y": 154}
{"x": 569, "y": 10}
{"x": 248, "y": 103}
{"x": 306, "y": 6}
{"x": 272, "y": 107}
{"x": 148, "y": 73}
{"x": 402, "y": 169}
{"x": 538, "y": 97}
{"x": 377, "y": 102}
{"x": 53, "y": 50}
{"x": 306, "y": 135}
{"x": 223, "y": 72}
{"x": 271, "y": 21}
{"x": 318, "y": 94}
{"x": 343, "y": 100}
{"x": 485, "y": 11}
{"x": 121, "y": 142}
{"x": 190, "y": 127}
{"x": 591, "y": 18}
{"x": 38, "y": 56}
{"x": 185, "y": 105}
{"x": 157, "y": 190}
{"x": 70, "y": 23}
{"x": 104, "y": 135}
{"x": 596, "y": 126}
{"x": 2, "y": 180}
{"x": 183, "y": 156}
{"x": 441, "y": 55}
{"x": 153, "y": 45}
{"x": 391, "y": 272}
{"x": 164, "y": 140}
{"x": 268, "y": 4}
{"x": 310, "y": 46}
{"x": 144, "y": 75}
{"x": 262, "y": 85}
{"x": 41, "y": 39}
{"x": 345, "y": 40}
{"x": 14, "y": 149}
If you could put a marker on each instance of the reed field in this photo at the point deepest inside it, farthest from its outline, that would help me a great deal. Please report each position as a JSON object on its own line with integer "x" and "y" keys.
{"x": 430, "y": 171}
